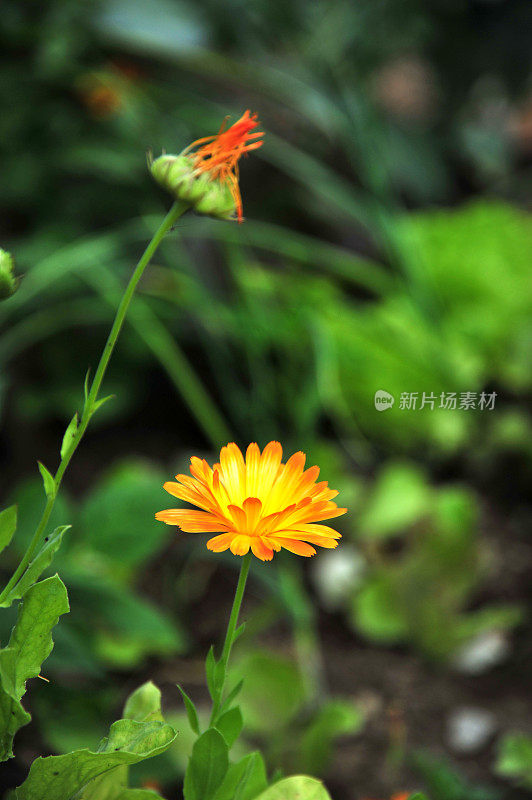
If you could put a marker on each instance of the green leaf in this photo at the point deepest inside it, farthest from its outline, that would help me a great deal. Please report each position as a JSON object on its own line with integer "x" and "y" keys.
{"x": 210, "y": 668}
{"x": 335, "y": 718}
{"x": 244, "y": 780}
{"x": 297, "y": 787}
{"x": 230, "y": 725}
{"x": 207, "y": 766}
{"x": 8, "y": 526}
{"x": 86, "y": 387}
{"x": 123, "y": 627}
{"x": 192, "y": 714}
{"x": 61, "y": 777}
{"x": 514, "y": 758}
{"x": 42, "y": 560}
{"x": 144, "y": 704}
{"x": 418, "y": 796}
{"x": 377, "y": 611}
{"x": 113, "y": 785}
{"x": 231, "y": 696}
{"x": 127, "y": 491}
{"x": 401, "y": 497}
{"x": 69, "y": 434}
{"x": 28, "y": 497}
{"x": 29, "y": 645}
{"x": 99, "y": 403}
{"x": 273, "y": 690}
{"x": 239, "y": 631}
{"x": 48, "y": 480}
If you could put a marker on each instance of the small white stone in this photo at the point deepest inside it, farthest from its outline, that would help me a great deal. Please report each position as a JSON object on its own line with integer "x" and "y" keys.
{"x": 337, "y": 573}
{"x": 482, "y": 653}
{"x": 469, "y": 729}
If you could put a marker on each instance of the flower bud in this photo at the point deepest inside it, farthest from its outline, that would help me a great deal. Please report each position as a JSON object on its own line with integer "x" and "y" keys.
{"x": 177, "y": 174}
{"x": 8, "y": 282}
{"x": 205, "y": 174}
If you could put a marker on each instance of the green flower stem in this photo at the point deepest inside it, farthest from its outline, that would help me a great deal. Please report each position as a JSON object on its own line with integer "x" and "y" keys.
{"x": 231, "y": 628}
{"x": 91, "y": 402}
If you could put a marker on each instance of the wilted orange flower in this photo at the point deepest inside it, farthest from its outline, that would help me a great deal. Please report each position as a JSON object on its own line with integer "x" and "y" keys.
{"x": 219, "y": 155}
{"x": 258, "y": 503}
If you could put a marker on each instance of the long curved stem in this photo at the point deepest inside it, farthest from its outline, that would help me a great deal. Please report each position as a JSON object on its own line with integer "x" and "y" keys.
{"x": 91, "y": 401}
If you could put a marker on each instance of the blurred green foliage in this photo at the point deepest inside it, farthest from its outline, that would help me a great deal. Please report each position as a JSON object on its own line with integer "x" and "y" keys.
{"x": 514, "y": 758}
{"x": 288, "y": 326}
{"x": 419, "y": 591}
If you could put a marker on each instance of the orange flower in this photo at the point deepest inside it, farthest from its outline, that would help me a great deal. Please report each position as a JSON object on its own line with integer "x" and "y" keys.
{"x": 258, "y": 503}
{"x": 219, "y": 155}
{"x": 400, "y": 796}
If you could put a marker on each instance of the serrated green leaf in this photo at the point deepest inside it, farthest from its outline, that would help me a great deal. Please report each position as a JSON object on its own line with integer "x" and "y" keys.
{"x": 297, "y": 787}
{"x": 69, "y": 434}
{"x": 61, "y": 777}
{"x": 144, "y": 704}
{"x": 31, "y": 639}
{"x": 244, "y": 780}
{"x": 207, "y": 766}
{"x": 8, "y": 526}
{"x": 192, "y": 714}
{"x": 48, "y": 480}
{"x": 29, "y": 645}
{"x": 230, "y": 725}
{"x": 42, "y": 560}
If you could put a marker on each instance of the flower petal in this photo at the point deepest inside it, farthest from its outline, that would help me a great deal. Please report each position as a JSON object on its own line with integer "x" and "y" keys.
{"x": 192, "y": 521}
{"x": 260, "y": 549}
{"x": 220, "y": 543}
{"x": 240, "y": 544}
{"x": 295, "y": 546}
